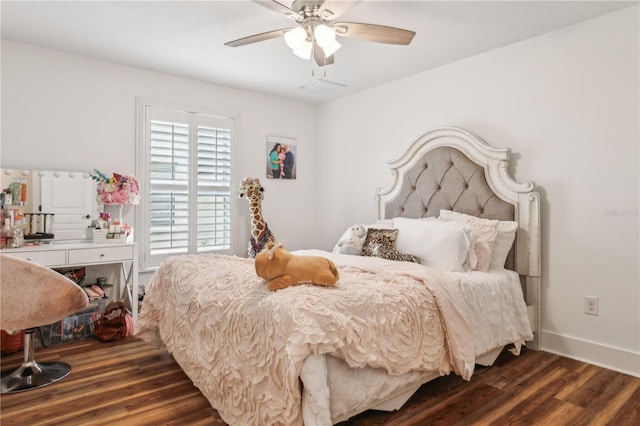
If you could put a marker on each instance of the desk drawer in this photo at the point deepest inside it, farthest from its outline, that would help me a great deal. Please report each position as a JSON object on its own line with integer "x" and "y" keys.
{"x": 45, "y": 258}
{"x": 100, "y": 255}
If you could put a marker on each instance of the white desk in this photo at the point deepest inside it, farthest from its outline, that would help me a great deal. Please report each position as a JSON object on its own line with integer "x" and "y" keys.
{"x": 70, "y": 255}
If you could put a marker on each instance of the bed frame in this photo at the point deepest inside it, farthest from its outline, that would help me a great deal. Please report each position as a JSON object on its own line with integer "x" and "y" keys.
{"x": 453, "y": 169}
{"x": 450, "y": 168}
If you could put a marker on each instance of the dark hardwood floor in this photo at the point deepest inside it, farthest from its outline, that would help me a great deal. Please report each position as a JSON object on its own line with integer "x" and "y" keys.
{"x": 131, "y": 383}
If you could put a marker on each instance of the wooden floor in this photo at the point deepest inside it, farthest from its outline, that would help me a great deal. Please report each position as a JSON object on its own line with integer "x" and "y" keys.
{"x": 130, "y": 383}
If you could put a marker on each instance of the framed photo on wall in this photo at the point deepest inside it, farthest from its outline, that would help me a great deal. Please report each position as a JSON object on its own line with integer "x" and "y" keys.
{"x": 282, "y": 160}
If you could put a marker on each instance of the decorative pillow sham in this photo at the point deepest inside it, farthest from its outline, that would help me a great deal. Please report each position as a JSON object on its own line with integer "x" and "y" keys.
{"x": 505, "y": 235}
{"x": 486, "y": 232}
{"x": 444, "y": 245}
{"x": 382, "y": 243}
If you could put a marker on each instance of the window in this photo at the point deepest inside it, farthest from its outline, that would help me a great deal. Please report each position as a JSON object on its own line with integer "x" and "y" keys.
{"x": 186, "y": 174}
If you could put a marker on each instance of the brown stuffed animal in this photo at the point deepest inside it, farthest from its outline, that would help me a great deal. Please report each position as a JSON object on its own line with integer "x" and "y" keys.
{"x": 282, "y": 269}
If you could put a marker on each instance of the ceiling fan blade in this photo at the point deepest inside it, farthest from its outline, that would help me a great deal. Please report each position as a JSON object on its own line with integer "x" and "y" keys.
{"x": 280, "y": 8}
{"x": 319, "y": 56}
{"x": 373, "y": 32}
{"x": 331, "y": 9}
{"x": 257, "y": 38}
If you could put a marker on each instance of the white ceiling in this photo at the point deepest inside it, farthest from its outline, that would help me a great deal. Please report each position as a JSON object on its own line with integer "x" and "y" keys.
{"x": 187, "y": 38}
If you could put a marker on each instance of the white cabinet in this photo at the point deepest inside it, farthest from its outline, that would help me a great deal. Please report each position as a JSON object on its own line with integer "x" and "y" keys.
{"x": 100, "y": 255}
{"x": 68, "y": 255}
{"x": 50, "y": 258}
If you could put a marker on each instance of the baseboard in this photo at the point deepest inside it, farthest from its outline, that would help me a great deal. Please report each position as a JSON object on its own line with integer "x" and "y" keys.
{"x": 616, "y": 359}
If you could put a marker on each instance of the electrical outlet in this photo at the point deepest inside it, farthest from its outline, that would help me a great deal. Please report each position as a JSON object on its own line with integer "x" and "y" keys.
{"x": 591, "y": 305}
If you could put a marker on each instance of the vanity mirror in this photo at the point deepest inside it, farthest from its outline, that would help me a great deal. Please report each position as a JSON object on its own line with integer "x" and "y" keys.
{"x": 62, "y": 203}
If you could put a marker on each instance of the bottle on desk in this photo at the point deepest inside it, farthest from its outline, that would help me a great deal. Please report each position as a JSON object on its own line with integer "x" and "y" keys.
{"x": 6, "y": 234}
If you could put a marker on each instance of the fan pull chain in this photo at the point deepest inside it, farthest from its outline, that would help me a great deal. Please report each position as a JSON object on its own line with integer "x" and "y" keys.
{"x": 313, "y": 70}
{"x": 311, "y": 61}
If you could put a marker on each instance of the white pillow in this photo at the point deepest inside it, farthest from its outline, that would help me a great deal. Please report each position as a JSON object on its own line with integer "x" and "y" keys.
{"x": 382, "y": 224}
{"x": 444, "y": 245}
{"x": 486, "y": 231}
{"x": 506, "y": 236}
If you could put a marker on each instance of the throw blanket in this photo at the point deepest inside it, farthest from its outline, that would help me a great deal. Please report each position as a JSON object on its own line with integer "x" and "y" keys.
{"x": 244, "y": 346}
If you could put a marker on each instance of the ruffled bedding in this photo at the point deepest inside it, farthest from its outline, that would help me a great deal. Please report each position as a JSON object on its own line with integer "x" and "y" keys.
{"x": 244, "y": 346}
{"x": 494, "y": 306}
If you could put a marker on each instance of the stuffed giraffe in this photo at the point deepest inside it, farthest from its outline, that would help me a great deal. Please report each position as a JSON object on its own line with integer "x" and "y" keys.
{"x": 260, "y": 233}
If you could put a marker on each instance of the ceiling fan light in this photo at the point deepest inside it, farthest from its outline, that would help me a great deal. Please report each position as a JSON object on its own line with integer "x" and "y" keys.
{"x": 324, "y": 35}
{"x": 295, "y": 38}
{"x": 331, "y": 49}
{"x": 304, "y": 51}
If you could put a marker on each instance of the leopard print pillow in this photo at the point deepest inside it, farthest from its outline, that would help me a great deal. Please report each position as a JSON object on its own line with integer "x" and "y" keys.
{"x": 382, "y": 243}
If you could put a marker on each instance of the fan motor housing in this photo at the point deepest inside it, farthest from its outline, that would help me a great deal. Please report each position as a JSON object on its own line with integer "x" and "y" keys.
{"x": 309, "y": 8}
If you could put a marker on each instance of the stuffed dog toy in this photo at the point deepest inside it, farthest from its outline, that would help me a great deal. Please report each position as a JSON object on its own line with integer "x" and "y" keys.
{"x": 282, "y": 269}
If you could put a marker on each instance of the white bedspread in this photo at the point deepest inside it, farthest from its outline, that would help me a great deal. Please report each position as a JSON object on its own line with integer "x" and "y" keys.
{"x": 493, "y": 304}
{"x": 244, "y": 346}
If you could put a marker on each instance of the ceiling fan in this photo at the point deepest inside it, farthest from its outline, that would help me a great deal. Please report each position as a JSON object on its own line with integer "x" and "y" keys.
{"x": 316, "y": 32}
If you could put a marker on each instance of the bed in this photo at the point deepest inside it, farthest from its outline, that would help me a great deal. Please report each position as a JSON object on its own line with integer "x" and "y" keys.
{"x": 317, "y": 356}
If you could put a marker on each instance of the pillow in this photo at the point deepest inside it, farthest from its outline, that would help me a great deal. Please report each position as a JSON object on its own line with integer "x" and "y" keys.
{"x": 380, "y": 224}
{"x": 506, "y": 236}
{"x": 382, "y": 243}
{"x": 444, "y": 245}
{"x": 486, "y": 232}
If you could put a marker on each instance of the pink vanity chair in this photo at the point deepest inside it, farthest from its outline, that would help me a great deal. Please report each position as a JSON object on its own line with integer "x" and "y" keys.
{"x": 30, "y": 296}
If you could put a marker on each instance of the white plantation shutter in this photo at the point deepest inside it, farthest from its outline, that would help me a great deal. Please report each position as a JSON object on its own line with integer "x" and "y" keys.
{"x": 214, "y": 184}
{"x": 169, "y": 188}
{"x": 188, "y": 171}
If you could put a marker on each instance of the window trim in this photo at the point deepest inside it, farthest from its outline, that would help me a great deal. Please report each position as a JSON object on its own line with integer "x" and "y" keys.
{"x": 142, "y": 213}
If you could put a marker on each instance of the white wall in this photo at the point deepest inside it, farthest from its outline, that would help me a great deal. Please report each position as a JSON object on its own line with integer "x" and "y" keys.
{"x": 67, "y": 112}
{"x": 567, "y": 104}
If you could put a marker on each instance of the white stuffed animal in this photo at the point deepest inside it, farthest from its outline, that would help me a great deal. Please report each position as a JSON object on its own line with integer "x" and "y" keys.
{"x": 352, "y": 244}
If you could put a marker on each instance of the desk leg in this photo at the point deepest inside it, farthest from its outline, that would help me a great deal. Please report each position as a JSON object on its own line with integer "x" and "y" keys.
{"x": 131, "y": 288}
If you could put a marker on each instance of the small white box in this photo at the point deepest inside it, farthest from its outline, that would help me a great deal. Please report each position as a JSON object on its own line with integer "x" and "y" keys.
{"x": 104, "y": 236}
{"x": 100, "y": 235}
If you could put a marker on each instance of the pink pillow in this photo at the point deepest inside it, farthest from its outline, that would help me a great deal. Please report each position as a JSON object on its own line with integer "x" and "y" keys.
{"x": 506, "y": 235}
{"x": 486, "y": 231}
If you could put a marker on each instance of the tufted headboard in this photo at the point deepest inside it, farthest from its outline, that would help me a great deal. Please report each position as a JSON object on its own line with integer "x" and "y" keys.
{"x": 449, "y": 180}
{"x": 444, "y": 178}
{"x": 450, "y": 168}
